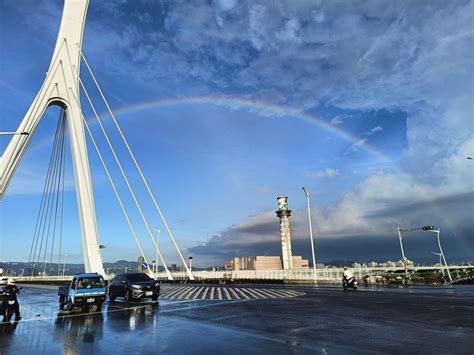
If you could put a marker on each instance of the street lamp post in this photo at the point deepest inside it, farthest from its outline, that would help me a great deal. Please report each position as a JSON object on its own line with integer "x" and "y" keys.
{"x": 442, "y": 253}
{"x": 157, "y": 243}
{"x": 440, "y": 262}
{"x": 64, "y": 265}
{"x": 427, "y": 229}
{"x": 315, "y": 275}
{"x": 400, "y": 237}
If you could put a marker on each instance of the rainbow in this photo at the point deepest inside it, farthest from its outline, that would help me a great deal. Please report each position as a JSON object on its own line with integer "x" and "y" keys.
{"x": 261, "y": 108}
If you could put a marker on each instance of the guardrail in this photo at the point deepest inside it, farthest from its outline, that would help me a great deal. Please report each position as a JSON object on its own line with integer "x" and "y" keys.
{"x": 307, "y": 275}
{"x": 42, "y": 278}
{"x": 301, "y": 275}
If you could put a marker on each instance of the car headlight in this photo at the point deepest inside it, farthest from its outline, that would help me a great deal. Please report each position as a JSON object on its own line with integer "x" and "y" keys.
{"x": 136, "y": 287}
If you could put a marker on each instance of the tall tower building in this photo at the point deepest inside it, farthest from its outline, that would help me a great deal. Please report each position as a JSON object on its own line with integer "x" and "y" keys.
{"x": 284, "y": 214}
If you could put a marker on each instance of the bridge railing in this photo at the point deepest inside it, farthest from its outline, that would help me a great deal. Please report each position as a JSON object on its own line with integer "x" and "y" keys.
{"x": 333, "y": 274}
{"x": 42, "y": 278}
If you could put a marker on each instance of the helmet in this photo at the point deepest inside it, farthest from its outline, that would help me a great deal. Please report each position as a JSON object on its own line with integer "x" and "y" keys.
{"x": 345, "y": 267}
{"x": 11, "y": 282}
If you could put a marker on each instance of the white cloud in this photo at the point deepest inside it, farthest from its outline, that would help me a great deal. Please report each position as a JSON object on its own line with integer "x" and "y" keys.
{"x": 336, "y": 120}
{"x": 409, "y": 56}
{"x": 355, "y": 147}
{"x": 328, "y": 172}
{"x": 374, "y": 130}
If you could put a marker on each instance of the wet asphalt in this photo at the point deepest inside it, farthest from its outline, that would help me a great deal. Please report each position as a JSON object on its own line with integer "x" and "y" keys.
{"x": 274, "y": 319}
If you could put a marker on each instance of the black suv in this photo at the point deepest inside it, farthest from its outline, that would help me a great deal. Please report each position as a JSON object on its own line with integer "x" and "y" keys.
{"x": 133, "y": 286}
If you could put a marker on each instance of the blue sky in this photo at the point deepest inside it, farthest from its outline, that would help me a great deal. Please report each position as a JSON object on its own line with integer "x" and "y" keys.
{"x": 228, "y": 104}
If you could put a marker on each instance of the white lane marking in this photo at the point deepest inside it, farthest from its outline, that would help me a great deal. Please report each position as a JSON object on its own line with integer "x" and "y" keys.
{"x": 227, "y": 293}
{"x": 265, "y": 292}
{"x": 252, "y": 293}
{"x": 199, "y": 290}
{"x": 259, "y": 291}
{"x": 167, "y": 290}
{"x": 234, "y": 293}
{"x": 205, "y": 293}
{"x": 221, "y": 293}
{"x": 203, "y": 306}
{"x": 179, "y": 292}
{"x": 176, "y": 291}
{"x": 118, "y": 309}
{"x": 185, "y": 292}
{"x": 188, "y": 294}
{"x": 242, "y": 293}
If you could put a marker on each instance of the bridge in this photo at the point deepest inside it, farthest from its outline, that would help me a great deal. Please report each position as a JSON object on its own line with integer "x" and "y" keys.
{"x": 63, "y": 87}
{"x": 327, "y": 275}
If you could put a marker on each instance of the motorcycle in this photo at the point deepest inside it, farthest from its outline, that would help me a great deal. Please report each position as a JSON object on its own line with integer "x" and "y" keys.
{"x": 349, "y": 283}
{"x": 9, "y": 303}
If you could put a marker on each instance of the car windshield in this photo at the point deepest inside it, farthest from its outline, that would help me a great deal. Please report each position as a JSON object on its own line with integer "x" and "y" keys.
{"x": 137, "y": 277}
{"x": 90, "y": 282}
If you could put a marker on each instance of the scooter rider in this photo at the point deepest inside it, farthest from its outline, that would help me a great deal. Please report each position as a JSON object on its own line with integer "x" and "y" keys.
{"x": 348, "y": 274}
{"x": 10, "y": 292}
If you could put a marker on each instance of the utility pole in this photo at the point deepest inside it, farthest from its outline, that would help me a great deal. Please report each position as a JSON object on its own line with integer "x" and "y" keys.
{"x": 400, "y": 236}
{"x": 315, "y": 274}
{"x": 442, "y": 254}
{"x": 64, "y": 265}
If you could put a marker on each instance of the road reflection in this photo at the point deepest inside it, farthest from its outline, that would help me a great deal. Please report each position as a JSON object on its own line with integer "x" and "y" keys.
{"x": 8, "y": 328}
{"x": 124, "y": 317}
{"x": 78, "y": 328}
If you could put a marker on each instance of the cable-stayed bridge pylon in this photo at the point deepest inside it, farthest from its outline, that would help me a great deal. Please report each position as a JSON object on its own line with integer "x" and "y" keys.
{"x": 62, "y": 87}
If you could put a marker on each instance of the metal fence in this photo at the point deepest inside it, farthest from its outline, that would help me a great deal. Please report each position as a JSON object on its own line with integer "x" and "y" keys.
{"x": 295, "y": 275}
{"x": 306, "y": 275}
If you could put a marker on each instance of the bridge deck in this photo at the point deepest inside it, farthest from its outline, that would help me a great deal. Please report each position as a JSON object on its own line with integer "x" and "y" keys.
{"x": 249, "y": 319}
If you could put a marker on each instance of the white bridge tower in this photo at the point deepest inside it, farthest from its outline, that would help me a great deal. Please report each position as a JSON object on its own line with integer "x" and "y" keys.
{"x": 61, "y": 87}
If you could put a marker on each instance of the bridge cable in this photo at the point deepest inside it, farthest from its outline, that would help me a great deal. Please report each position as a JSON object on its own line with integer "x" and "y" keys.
{"x": 59, "y": 182}
{"x": 46, "y": 194}
{"x": 62, "y": 208}
{"x": 125, "y": 178}
{"x": 43, "y": 212}
{"x": 115, "y": 189}
{"x": 158, "y": 209}
{"x": 43, "y": 195}
{"x": 54, "y": 190}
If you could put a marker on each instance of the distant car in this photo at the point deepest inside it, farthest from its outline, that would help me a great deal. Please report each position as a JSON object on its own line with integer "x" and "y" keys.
{"x": 133, "y": 286}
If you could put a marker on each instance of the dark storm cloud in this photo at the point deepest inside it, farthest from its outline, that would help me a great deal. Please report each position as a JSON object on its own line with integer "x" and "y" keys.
{"x": 373, "y": 238}
{"x": 460, "y": 202}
